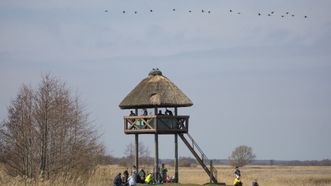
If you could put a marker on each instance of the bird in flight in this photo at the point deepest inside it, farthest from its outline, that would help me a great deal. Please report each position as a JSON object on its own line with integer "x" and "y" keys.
{"x": 271, "y": 13}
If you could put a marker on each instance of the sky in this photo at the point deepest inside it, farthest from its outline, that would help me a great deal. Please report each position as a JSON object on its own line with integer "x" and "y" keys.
{"x": 261, "y": 81}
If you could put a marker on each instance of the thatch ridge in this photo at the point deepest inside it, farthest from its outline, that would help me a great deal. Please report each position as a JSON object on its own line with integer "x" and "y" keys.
{"x": 155, "y": 90}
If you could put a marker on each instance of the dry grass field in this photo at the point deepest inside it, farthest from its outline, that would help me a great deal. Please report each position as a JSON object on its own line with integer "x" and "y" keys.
{"x": 266, "y": 175}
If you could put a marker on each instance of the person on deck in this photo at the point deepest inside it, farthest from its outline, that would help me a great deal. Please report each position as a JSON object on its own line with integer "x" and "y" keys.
{"x": 168, "y": 112}
{"x": 132, "y": 113}
{"x": 145, "y": 112}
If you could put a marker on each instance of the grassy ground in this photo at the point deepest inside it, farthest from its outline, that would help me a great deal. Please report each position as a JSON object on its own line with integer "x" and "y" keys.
{"x": 193, "y": 176}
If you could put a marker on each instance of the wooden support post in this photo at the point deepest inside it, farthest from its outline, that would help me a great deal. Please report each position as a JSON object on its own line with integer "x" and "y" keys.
{"x": 211, "y": 171}
{"x": 156, "y": 159}
{"x": 176, "y": 158}
{"x": 137, "y": 152}
{"x": 176, "y": 152}
{"x": 137, "y": 146}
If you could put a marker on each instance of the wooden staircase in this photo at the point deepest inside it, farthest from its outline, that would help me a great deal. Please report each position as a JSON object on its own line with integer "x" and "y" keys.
{"x": 200, "y": 156}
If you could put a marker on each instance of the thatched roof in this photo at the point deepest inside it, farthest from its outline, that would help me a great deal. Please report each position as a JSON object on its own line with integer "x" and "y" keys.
{"x": 155, "y": 90}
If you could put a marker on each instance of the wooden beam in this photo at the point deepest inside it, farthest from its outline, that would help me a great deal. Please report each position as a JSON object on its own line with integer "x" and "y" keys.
{"x": 176, "y": 158}
{"x": 156, "y": 158}
{"x": 137, "y": 152}
{"x": 211, "y": 176}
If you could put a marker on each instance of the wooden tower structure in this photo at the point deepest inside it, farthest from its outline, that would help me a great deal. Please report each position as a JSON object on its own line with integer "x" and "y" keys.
{"x": 156, "y": 93}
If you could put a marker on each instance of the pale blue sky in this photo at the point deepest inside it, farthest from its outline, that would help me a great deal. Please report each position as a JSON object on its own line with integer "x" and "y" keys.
{"x": 255, "y": 80}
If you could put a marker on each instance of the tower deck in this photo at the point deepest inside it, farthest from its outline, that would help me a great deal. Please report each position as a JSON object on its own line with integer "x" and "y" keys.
{"x": 156, "y": 124}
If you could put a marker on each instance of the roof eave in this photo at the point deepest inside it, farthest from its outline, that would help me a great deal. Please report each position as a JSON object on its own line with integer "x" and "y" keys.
{"x": 153, "y": 106}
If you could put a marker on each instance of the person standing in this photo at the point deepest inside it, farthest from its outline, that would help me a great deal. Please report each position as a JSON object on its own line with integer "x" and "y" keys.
{"x": 237, "y": 172}
{"x": 237, "y": 181}
{"x": 145, "y": 112}
{"x": 132, "y": 113}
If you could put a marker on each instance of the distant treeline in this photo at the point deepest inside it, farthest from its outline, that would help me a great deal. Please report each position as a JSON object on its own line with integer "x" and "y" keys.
{"x": 325, "y": 162}
{"x": 189, "y": 161}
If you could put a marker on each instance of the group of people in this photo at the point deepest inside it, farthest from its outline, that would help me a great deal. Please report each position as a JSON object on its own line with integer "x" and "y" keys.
{"x": 126, "y": 180}
{"x": 142, "y": 177}
{"x": 166, "y": 112}
{"x": 145, "y": 113}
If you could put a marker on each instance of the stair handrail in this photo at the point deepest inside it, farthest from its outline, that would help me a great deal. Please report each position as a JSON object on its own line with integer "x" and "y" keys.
{"x": 203, "y": 157}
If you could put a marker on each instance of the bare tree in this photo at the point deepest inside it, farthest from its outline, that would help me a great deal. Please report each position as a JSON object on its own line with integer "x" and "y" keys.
{"x": 144, "y": 154}
{"x": 143, "y": 151}
{"x": 47, "y": 132}
{"x": 18, "y": 136}
{"x": 241, "y": 156}
{"x": 129, "y": 154}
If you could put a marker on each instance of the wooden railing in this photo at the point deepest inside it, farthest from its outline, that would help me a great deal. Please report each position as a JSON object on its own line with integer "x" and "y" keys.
{"x": 162, "y": 124}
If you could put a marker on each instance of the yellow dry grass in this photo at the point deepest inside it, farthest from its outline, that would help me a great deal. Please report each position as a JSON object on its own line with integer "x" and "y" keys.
{"x": 280, "y": 175}
{"x": 266, "y": 175}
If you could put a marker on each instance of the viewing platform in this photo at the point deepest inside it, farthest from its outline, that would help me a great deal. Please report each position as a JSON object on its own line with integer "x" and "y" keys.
{"x": 156, "y": 124}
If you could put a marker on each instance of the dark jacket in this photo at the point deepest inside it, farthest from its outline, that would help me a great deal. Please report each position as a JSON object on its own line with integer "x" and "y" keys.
{"x": 117, "y": 180}
{"x": 237, "y": 172}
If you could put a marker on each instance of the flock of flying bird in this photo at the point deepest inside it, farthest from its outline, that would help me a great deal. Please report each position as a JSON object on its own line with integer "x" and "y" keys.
{"x": 272, "y": 13}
